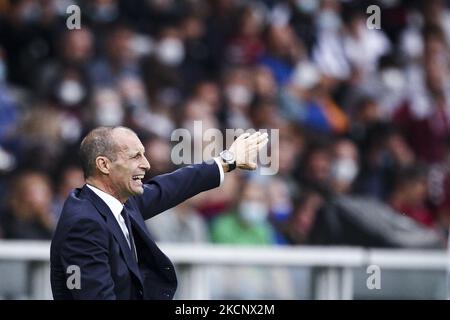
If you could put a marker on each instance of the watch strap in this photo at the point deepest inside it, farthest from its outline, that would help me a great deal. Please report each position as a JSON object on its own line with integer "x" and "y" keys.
{"x": 231, "y": 166}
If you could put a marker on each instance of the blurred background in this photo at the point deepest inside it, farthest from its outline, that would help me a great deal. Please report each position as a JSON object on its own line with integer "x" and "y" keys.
{"x": 363, "y": 118}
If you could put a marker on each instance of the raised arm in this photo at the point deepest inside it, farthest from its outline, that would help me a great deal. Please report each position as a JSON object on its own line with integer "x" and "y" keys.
{"x": 168, "y": 190}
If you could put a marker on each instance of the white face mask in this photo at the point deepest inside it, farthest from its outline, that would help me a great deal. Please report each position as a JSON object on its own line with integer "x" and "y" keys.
{"x": 253, "y": 212}
{"x": 71, "y": 92}
{"x": 306, "y": 75}
{"x": 108, "y": 110}
{"x": 109, "y": 115}
{"x": 393, "y": 79}
{"x": 170, "y": 51}
{"x": 344, "y": 170}
{"x": 308, "y": 6}
{"x": 328, "y": 20}
{"x": 238, "y": 95}
{"x": 7, "y": 161}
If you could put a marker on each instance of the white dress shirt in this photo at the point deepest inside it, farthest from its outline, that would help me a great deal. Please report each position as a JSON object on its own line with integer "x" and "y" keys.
{"x": 222, "y": 174}
{"x": 116, "y": 206}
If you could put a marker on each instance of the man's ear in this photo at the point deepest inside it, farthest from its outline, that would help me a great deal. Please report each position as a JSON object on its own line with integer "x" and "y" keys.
{"x": 103, "y": 164}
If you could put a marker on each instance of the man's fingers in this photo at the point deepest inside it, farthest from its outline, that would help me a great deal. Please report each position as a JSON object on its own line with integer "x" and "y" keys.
{"x": 252, "y": 142}
{"x": 248, "y": 166}
{"x": 263, "y": 144}
{"x": 250, "y": 146}
{"x": 242, "y": 136}
{"x": 254, "y": 148}
{"x": 263, "y": 137}
{"x": 253, "y": 137}
{"x": 257, "y": 138}
{"x": 258, "y": 145}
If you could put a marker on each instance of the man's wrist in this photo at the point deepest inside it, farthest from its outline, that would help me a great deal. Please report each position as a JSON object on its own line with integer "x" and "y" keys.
{"x": 228, "y": 159}
{"x": 220, "y": 168}
{"x": 225, "y": 166}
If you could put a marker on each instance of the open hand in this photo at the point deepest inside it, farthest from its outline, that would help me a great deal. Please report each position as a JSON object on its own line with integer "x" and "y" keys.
{"x": 246, "y": 148}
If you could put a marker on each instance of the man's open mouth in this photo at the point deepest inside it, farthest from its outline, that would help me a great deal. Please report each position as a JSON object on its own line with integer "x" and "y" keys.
{"x": 138, "y": 177}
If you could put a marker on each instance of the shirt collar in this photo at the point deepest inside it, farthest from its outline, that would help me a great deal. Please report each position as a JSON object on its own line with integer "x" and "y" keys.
{"x": 114, "y": 205}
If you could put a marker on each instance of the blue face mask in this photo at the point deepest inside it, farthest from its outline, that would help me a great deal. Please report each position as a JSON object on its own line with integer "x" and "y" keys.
{"x": 281, "y": 210}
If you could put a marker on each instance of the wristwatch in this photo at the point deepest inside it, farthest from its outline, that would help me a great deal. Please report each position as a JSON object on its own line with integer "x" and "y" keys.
{"x": 229, "y": 158}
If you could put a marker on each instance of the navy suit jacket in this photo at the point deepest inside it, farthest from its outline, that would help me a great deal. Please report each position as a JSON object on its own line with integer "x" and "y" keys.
{"x": 88, "y": 236}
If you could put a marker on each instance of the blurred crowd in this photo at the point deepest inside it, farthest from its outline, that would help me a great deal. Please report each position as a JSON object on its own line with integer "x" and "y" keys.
{"x": 360, "y": 111}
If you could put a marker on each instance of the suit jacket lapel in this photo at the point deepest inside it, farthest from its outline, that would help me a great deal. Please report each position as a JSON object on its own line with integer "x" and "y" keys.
{"x": 143, "y": 232}
{"x": 115, "y": 229}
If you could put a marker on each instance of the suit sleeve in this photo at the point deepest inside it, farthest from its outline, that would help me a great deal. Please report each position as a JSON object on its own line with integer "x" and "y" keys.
{"x": 86, "y": 246}
{"x": 168, "y": 190}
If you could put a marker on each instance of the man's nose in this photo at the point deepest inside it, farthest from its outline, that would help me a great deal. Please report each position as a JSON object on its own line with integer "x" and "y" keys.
{"x": 145, "y": 164}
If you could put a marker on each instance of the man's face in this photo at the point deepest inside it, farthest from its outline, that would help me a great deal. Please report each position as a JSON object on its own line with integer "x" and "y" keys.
{"x": 128, "y": 170}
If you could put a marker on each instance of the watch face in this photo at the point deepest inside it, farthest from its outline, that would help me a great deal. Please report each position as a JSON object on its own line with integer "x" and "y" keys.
{"x": 227, "y": 155}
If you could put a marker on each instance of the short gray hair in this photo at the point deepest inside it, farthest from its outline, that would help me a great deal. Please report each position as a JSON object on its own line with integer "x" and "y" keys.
{"x": 98, "y": 142}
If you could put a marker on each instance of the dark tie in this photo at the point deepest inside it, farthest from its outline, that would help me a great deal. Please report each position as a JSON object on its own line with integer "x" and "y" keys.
{"x": 126, "y": 217}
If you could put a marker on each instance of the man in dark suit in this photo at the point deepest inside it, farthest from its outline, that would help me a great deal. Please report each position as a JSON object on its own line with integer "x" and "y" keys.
{"x": 101, "y": 237}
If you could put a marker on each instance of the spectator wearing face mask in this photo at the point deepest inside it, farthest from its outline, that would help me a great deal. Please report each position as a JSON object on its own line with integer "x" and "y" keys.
{"x": 170, "y": 50}
{"x": 165, "y": 80}
{"x": 107, "y": 107}
{"x": 424, "y": 115}
{"x": 65, "y": 80}
{"x": 345, "y": 166}
{"x": 362, "y": 47}
{"x": 248, "y": 223}
{"x": 309, "y": 99}
{"x": 328, "y": 52}
{"x": 281, "y": 207}
{"x": 239, "y": 93}
{"x": 192, "y": 52}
